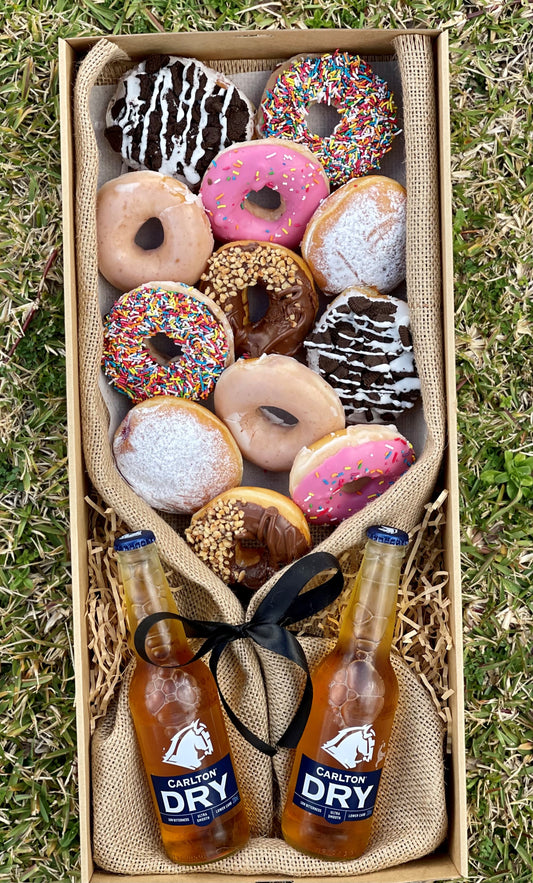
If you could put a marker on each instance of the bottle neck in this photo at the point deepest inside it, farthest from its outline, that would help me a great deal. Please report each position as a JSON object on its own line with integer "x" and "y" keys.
{"x": 146, "y": 591}
{"x": 368, "y": 621}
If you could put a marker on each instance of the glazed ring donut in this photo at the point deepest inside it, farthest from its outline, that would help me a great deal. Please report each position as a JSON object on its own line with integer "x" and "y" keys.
{"x": 165, "y": 338}
{"x": 362, "y": 347}
{"x": 367, "y": 124}
{"x": 251, "y": 389}
{"x": 175, "y": 454}
{"x": 125, "y": 205}
{"x": 292, "y": 298}
{"x": 262, "y": 530}
{"x": 173, "y": 115}
{"x": 342, "y": 472}
{"x": 288, "y": 169}
{"x": 357, "y": 236}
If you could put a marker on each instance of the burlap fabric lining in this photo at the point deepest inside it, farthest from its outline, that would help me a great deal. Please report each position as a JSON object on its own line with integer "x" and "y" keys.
{"x": 406, "y": 827}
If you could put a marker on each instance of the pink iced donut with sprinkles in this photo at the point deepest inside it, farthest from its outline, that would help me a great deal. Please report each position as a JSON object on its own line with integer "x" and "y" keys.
{"x": 341, "y": 473}
{"x": 297, "y": 182}
{"x": 367, "y": 123}
{"x": 166, "y": 338}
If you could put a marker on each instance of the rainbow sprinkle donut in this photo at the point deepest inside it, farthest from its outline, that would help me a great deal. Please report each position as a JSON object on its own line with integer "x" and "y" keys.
{"x": 368, "y": 115}
{"x": 166, "y": 338}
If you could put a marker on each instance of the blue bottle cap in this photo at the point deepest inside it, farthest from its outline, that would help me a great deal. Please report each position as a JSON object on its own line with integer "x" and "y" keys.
{"x": 135, "y": 540}
{"x": 392, "y": 536}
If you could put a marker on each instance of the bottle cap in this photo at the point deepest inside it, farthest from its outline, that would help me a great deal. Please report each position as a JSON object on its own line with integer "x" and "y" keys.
{"x": 135, "y": 540}
{"x": 391, "y": 536}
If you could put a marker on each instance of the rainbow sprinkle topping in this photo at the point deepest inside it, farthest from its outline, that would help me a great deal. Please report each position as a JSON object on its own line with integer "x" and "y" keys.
{"x": 368, "y": 115}
{"x": 130, "y": 357}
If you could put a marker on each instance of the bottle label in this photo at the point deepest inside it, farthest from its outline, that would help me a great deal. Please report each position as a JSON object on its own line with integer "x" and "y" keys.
{"x": 197, "y": 798}
{"x": 336, "y": 795}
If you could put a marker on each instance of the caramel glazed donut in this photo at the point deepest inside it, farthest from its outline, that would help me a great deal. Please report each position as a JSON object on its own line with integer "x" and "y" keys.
{"x": 247, "y": 534}
{"x": 293, "y": 301}
{"x": 173, "y": 115}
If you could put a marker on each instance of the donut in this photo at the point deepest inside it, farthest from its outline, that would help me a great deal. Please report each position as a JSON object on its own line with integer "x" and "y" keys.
{"x": 357, "y": 236}
{"x": 175, "y": 454}
{"x": 285, "y": 278}
{"x": 367, "y": 124}
{"x": 289, "y": 170}
{"x": 259, "y": 400}
{"x": 362, "y": 347}
{"x": 247, "y": 534}
{"x": 173, "y": 115}
{"x": 150, "y": 226}
{"x": 342, "y": 472}
{"x": 165, "y": 338}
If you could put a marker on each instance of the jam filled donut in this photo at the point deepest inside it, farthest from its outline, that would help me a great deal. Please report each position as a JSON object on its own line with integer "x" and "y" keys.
{"x": 165, "y": 338}
{"x": 292, "y": 298}
{"x": 357, "y": 236}
{"x": 175, "y": 454}
{"x": 262, "y": 532}
{"x": 362, "y": 347}
{"x": 274, "y": 406}
{"x": 177, "y": 244}
{"x": 289, "y": 170}
{"x": 342, "y": 472}
{"x": 173, "y": 115}
{"x": 367, "y": 123}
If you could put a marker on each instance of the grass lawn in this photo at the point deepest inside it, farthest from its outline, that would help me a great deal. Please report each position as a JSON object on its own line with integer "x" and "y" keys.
{"x": 491, "y": 107}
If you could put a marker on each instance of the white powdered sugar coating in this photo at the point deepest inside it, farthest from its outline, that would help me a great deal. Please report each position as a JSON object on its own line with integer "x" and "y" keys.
{"x": 172, "y": 460}
{"x": 364, "y": 244}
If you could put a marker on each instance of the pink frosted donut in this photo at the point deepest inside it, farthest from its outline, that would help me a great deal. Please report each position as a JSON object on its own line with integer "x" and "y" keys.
{"x": 342, "y": 472}
{"x": 288, "y": 169}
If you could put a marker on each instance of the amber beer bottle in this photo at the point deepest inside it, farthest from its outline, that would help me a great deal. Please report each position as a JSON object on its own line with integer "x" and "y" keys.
{"x": 178, "y": 721}
{"x": 335, "y": 778}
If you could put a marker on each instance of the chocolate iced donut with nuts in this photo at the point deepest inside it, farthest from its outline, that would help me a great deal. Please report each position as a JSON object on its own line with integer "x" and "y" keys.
{"x": 292, "y": 299}
{"x": 247, "y": 534}
{"x": 362, "y": 347}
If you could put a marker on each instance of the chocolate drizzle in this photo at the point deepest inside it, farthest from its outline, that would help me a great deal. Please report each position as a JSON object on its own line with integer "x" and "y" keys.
{"x": 278, "y": 543}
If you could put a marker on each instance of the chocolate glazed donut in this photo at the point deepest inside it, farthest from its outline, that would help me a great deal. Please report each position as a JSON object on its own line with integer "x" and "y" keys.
{"x": 273, "y": 543}
{"x": 292, "y": 299}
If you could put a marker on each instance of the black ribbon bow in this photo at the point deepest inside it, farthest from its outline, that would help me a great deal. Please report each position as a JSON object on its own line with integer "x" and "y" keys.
{"x": 283, "y": 606}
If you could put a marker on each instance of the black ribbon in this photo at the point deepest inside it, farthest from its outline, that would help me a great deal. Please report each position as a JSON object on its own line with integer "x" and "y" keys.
{"x": 283, "y": 606}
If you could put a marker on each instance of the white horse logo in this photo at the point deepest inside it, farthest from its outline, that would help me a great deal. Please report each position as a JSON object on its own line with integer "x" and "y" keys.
{"x": 189, "y": 746}
{"x": 351, "y": 745}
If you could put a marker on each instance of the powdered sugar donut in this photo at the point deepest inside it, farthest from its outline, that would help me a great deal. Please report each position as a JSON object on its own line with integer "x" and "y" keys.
{"x": 125, "y": 205}
{"x": 341, "y": 473}
{"x": 362, "y": 347}
{"x": 253, "y": 396}
{"x": 290, "y": 170}
{"x": 367, "y": 118}
{"x": 175, "y": 454}
{"x": 173, "y": 115}
{"x": 357, "y": 236}
{"x": 164, "y": 338}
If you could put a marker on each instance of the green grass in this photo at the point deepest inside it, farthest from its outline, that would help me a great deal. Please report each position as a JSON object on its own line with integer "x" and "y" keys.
{"x": 491, "y": 86}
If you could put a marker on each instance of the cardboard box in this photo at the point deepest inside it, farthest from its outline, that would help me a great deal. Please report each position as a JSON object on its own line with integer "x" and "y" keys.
{"x": 451, "y": 859}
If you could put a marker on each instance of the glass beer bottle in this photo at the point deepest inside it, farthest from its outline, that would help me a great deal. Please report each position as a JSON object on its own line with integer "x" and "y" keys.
{"x": 339, "y": 759}
{"x": 178, "y": 721}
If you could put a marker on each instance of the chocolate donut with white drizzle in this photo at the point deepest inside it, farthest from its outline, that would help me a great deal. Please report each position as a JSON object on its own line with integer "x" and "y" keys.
{"x": 362, "y": 347}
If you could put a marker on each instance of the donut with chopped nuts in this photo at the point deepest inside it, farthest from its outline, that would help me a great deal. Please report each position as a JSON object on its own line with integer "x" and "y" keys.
{"x": 286, "y": 279}
{"x": 247, "y": 534}
{"x": 362, "y": 347}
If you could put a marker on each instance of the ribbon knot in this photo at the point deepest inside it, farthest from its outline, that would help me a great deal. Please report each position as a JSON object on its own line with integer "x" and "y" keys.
{"x": 281, "y": 607}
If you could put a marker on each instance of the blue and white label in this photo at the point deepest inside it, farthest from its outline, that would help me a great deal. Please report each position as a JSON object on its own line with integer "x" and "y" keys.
{"x": 336, "y": 795}
{"x": 197, "y": 798}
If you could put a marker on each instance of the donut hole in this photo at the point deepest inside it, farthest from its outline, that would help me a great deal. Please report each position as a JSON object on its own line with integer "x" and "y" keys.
{"x": 150, "y": 235}
{"x": 356, "y": 486}
{"x": 265, "y": 203}
{"x": 258, "y": 302}
{"x": 322, "y": 119}
{"x": 248, "y": 551}
{"x": 163, "y": 349}
{"x": 278, "y": 416}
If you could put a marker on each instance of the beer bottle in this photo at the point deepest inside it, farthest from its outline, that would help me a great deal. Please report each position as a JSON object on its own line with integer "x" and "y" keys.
{"x": 178, "y": 721}
{"x": 339, "y": 759}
